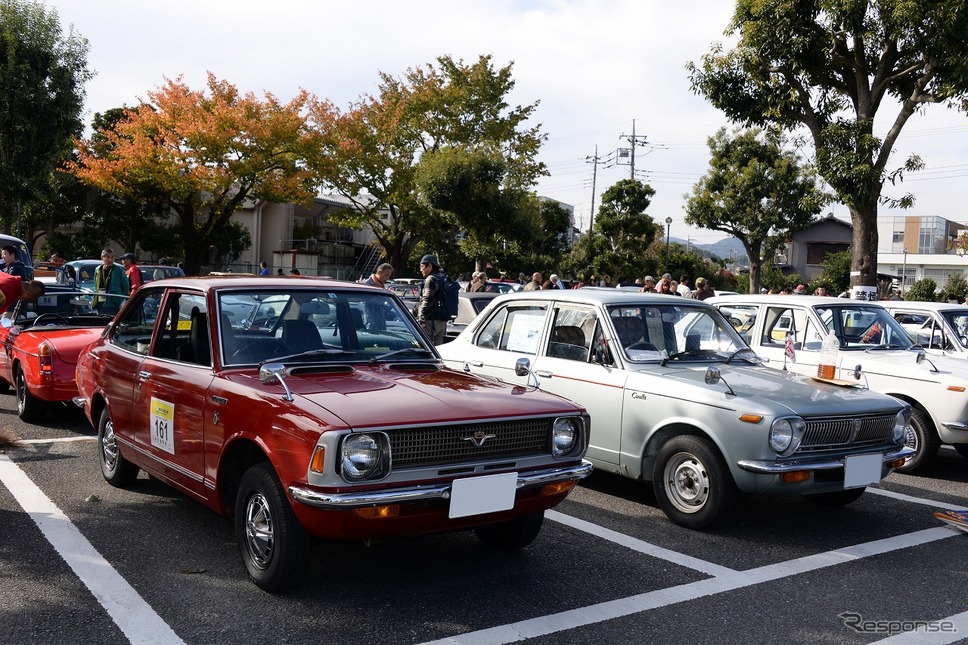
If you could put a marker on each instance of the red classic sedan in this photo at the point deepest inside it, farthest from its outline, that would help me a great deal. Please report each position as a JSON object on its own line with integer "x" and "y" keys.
{"x": 41, "y": 341}
{"x": 314, "y": 408}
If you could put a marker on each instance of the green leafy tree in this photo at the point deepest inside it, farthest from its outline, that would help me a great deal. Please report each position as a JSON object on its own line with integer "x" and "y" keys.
{"x": 42, "y": 76}
{"x": 830, "y": 66}
{"x": 754, "y": 191}
{"x": 370, "y": 152}
{"x": 956, "y": 287}
{"x": 623, "y": 230}
{"x": 923, "y": 290}
{"x": 834, "y": 273}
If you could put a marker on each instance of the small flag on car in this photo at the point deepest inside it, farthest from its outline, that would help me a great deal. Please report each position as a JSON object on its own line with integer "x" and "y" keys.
{"x": 792, "y": 355}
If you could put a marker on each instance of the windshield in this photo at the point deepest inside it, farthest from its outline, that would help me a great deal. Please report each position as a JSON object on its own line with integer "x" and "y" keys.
{"x": 861, "y": 327}
{"x": 316, "y": 325}
{"x": 676, "y": 332}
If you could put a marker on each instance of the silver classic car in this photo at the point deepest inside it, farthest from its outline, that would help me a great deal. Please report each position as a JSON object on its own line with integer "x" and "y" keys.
{"x": 677, "y": 398}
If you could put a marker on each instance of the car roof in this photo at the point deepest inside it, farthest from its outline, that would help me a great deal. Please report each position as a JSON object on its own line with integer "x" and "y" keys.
{"x": 793, "y": 299}
{"x": 924, "y": 306}
{"x": 213, "y": 282}
{"x": 603, "y": 296}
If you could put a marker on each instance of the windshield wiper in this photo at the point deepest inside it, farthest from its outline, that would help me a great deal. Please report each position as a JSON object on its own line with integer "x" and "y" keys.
{"x": 676, "y": 355}
{"x": 398, "y": 352}
{"x": 312, "y": 353}
{"x": 752, "y": 359}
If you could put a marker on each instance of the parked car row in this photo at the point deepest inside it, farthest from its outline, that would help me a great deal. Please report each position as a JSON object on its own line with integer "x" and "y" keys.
{"x": 319, "y": 409}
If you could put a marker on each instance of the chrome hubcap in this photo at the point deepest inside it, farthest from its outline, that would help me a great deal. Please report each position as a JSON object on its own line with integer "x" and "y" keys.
{"x": 259, "y": 538}
{"x": 109, "y": 446}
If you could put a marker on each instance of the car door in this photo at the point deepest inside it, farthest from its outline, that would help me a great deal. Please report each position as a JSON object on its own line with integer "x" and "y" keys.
{"x": 170, "y": 394}
{"x": 780, "y": 322}
{"x": 569, "y": 366}
{"x": 513, "y": 331}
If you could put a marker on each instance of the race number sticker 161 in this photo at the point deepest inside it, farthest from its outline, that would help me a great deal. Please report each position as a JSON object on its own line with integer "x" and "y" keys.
{"x": 162, "y": 421}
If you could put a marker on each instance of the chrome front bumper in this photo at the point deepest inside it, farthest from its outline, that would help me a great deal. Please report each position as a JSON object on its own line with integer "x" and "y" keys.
{"x": 776, "y": 468}
{"x": 418, "y": 493}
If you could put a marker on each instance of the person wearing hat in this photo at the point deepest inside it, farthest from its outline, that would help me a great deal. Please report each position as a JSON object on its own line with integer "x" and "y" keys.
{"x": 429, "y": 314}
{"x": 648, "y": 285}
{"x": 702, "y": 290}
{"x": 801, "y": 290}
{"x": 132, "y": 271}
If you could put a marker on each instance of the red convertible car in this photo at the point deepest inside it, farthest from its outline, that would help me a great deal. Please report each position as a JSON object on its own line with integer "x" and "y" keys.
{"x": 41, "y": 341}
{"x": 313, "y": 408}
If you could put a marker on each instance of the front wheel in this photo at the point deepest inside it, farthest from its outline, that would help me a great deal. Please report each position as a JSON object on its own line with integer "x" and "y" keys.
{"x": 838, "y": 498}
{"x": 920, "y": 435}
{"x": 116, "y": 470}
{"x": 692, "y": 483}
{"x": 513, "y": 534}
{"x": 275, "y": 548}
{"x": 29, "y": 408}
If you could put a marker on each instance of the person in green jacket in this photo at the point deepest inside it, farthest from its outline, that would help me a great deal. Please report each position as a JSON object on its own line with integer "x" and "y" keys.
{"x": 109, "y": 278}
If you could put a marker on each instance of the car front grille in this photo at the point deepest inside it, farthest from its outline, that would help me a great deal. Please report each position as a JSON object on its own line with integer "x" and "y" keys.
{"x": 835, "y": 434}
{"x": 441, "y": 445}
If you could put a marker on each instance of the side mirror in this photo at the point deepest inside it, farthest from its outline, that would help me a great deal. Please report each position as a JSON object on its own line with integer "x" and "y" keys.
{"x": 272, "y": 372}
{"x": 6, "y": 322}
{"x": 713, "y": 375}
{"x": 522, "y": 367}
{"x": 857, "y": 372}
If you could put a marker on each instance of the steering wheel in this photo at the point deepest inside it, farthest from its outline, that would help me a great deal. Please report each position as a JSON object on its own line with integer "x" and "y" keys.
{"x": 46, "y": 319}
{"x": 642, "y": 346}
{"x": 265, "y": 346}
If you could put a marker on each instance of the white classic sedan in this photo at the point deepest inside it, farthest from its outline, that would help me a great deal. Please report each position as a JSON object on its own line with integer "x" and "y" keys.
{"x": 677, "y": 398}
{"x": 870, "y": 338}
{"x": 943, "y": 329}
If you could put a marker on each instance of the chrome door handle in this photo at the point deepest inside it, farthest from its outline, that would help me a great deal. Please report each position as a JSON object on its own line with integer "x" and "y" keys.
{"x": 542, "y": 374}
{"x": 144, "y": 376}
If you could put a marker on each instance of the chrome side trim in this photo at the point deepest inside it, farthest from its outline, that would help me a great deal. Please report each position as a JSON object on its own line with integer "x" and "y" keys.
{"x": 956, "y": 425}
{"x": 429, "y": 492}
{"x": 776, "y": 468}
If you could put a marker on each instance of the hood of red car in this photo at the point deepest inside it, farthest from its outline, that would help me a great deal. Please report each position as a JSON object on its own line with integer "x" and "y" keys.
{"x": 419, "y": 394}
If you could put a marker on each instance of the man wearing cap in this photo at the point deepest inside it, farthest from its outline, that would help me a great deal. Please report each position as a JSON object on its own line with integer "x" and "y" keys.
{"x": 132, "y": 271}
{"x": 429, "y": 315}
{"x": 801, "y": 290}
{"x": 648, "y": 285}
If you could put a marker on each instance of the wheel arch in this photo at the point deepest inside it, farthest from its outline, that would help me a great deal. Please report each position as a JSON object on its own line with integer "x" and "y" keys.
{"x": 676, "y": 429}
{"x": 914, "y": 403}
{"x": 240, "y": 455}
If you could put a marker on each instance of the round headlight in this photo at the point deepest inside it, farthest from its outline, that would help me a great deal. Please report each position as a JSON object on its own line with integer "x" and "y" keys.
{"x": 900, "y": 426}
{"x": 785, "y": 434}
{"x": 564, "y": 436}
{"x": 362, "y": 457}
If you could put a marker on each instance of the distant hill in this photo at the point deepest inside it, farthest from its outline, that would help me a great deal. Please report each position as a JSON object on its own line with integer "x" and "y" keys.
{"x": 726, "y": 248}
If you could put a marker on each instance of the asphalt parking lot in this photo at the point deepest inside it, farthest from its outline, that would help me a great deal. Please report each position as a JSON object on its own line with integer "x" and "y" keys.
{"x": 87, "y": 563}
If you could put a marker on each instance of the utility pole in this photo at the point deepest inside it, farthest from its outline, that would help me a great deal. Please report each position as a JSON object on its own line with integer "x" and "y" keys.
{"x": 595, "y": 160}
{"x": 634, "y": 141}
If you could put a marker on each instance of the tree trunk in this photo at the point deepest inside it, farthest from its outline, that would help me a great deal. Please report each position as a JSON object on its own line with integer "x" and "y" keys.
{"x": 755, "y": 273}
{"x": 863, "y": 258}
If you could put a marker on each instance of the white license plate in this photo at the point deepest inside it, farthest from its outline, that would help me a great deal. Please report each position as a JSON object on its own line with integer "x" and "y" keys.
{"x": 47, "y": 301}
{"x": 478, "y": 495}
{"x": 862, "y": 470}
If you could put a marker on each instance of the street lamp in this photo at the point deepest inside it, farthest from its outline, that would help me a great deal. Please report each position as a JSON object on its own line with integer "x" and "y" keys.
{"x": 904, "y": 272}
{"x": 668, "y": 228}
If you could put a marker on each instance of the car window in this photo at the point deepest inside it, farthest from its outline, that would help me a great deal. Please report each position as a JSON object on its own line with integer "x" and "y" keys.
{"x": 959, "y": 322}
{"x": 571, "y": 333}
{"x": 864, "y": 327}
{"x": 258, "y": 325}
{"x": 514, "y": 328}
{"x": 132, "y": 329}
{"x": 781, "y": 321}
{"x": 183, "y": 334}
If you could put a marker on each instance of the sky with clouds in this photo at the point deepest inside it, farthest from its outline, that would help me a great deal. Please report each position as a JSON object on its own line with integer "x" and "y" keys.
{"x": 595, "y": 67}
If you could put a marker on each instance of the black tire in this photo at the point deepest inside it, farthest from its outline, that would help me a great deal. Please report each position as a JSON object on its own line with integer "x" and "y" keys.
{"x": 511, "y": 535}
{"x": 962, "y": 449}
{"x": 692, "y": 483}
{"x": 921, "y": 436}
{"x": 29, "y": 408}
{"x": 275, "y": 548}
{"x": 838, "y": 498}
{"x": 116, "y": 470}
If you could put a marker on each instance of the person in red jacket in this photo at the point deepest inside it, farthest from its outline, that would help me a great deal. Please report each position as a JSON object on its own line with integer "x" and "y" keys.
{"x": 12, "y": 289}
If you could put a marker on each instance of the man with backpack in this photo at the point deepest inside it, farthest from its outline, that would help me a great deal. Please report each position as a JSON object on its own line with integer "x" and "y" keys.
{"x": 437, "y": 297}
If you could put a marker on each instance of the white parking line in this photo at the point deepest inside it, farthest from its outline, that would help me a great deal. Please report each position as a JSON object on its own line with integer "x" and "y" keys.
{"x": 916, "y": 500}
{"x": 582, "y": 616}
{"x": 124, "y": 605}
{"x": 640, "y": 545}
{"x": 30, "y": 442}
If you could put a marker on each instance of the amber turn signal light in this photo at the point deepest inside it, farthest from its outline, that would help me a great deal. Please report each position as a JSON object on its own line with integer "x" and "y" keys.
{"x": 795, "y": 476}
{"x": 557, "y": 488}
{"x": 377, "y": 512}
{"x": 897, "y": 463}
{"x": 318, "y": 463}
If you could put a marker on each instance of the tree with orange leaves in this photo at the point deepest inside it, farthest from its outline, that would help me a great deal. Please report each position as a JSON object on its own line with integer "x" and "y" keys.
{"x": 207, "y": 152}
